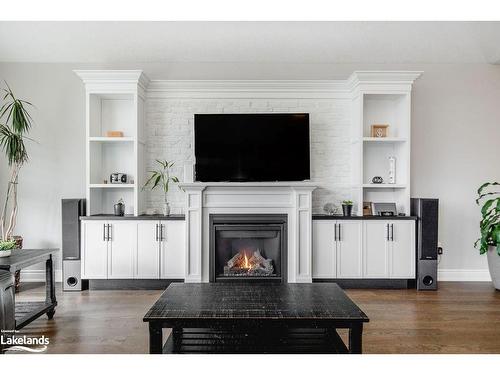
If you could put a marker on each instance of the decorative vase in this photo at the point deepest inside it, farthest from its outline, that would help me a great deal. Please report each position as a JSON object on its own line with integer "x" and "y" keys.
{"x": 494, "y": 266}
{"x": 347, "y": 209}
{"x": 119, "y": 209}
{"x": 166, "y": 209}
{"x": 5, "y": 253}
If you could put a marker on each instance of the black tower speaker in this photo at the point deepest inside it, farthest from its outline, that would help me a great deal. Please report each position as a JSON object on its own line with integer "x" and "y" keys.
{"x": 427, "y": 213}
{"x": 72, "y": 209}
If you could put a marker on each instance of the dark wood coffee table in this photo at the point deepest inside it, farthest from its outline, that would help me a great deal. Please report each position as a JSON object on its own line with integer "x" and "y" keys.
{"x": 254, "y": 318}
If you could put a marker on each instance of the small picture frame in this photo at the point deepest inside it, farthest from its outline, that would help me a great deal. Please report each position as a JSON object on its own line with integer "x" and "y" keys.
{"x": 367, "y": 209}
{"x": 379, "y": 131}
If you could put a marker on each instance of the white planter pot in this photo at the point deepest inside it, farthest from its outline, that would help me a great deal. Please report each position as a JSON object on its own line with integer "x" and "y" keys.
{"x": 494, "y": 266}
{"x": 5, "y": 253}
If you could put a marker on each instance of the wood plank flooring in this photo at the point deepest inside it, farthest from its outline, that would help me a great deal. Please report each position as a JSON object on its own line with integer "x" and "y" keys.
{"x": 458, "y": 318}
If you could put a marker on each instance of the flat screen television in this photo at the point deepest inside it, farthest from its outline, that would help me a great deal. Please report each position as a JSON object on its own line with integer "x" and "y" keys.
{"x": 251, "y": 147}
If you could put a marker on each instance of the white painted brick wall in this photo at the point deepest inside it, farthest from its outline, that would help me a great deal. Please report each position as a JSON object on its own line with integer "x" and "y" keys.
{"x": 170, "y": 136}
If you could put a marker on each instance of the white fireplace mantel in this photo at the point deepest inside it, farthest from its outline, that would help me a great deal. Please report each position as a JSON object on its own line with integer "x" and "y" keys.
{"x": 290, "y": 198}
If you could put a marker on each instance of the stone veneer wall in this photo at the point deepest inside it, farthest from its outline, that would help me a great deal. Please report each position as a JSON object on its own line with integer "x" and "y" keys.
{"x": 170, "y": 122}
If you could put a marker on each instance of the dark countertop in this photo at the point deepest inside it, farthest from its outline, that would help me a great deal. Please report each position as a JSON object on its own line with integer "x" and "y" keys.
{"x": 132, "y": 217}
{"x": 340, "y": 217}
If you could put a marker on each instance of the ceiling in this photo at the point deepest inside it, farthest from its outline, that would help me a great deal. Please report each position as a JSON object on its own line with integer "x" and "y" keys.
{"x": 255, "y": 42}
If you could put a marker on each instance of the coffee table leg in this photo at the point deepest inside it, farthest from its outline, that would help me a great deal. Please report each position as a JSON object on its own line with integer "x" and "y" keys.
{"x": 50, "y": 288}
{"x": 155, "y": 338}
{"x": 355, "y": 338}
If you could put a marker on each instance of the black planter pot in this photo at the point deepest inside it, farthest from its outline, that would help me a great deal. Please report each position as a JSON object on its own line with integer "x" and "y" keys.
{"x": 347, "y": 209}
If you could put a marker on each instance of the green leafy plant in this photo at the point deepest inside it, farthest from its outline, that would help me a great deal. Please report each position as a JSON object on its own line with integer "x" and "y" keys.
{"x": 347, "y": 203}
{"x": 15, "y": 123}
{"x": 7, "y": 245}
{"x": 162, "y": 177}
{"x": 489, "y": 198}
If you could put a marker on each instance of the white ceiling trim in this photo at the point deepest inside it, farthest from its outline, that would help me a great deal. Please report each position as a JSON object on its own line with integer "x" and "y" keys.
{"x": 396, "y": 81}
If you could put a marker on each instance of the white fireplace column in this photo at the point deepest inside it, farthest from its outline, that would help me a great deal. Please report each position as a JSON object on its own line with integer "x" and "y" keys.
{"x": 291, "y": 198}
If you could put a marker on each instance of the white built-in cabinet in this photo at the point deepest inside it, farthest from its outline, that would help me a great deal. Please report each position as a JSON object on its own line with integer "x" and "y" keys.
{"x": 130, "y": 249}
{"x": 369, "y": 249}
{"x": 337, "y": 249}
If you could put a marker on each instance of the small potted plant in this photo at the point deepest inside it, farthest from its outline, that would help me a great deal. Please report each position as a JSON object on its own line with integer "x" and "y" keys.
{"x": 162, "y": 177}
{"x": 347, "y": 207}
{"x": 489, "y": 243}
{"x": 6, "y": 247}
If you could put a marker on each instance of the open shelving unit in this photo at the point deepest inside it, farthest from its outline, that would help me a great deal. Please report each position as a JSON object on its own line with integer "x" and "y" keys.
{"x": 381, "y": 98}
{"x": 115, "y": 100}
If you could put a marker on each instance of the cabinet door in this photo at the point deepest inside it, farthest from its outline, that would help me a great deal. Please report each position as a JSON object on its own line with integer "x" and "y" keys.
{"x": 323, "y": 250}
{"x": 375, "y": 249}
{"x": 402, "y": 249}
{"x": 173, "y": 249}
{"x": 148, "y": 250}
{"x": 121, "y": 249}
{"x": 94, "y": 250}
{"x": 349, "y": 249}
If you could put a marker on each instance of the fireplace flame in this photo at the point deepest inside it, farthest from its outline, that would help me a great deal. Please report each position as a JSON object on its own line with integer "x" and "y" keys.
{"x": 246, "y": 263}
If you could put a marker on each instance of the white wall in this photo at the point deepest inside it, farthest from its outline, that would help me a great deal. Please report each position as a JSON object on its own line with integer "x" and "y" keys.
{"x": 455, "y": 132}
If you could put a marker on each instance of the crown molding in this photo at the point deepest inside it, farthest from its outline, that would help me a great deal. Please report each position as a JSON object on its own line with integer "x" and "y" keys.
{"x": 386, "y": 80}
{"x": 247, "y": 89}
{"x": 100, "y": 78}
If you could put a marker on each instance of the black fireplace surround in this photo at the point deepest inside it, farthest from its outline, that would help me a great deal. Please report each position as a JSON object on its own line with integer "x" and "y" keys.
{"x": 248, "y": 247}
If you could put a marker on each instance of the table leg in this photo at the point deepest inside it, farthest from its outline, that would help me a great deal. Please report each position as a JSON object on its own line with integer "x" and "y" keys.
{"x": 355, "y": 338}
{"x": 155, "y": 338}
{"x": 50, "y": 287}
{"x": 177, "y": 338}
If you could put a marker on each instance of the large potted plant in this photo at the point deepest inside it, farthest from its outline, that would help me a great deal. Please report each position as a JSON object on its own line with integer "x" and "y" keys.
{"x": 15, "y": 123}
{"x": 489, "y": 243}
{"x": 162, "y": 177}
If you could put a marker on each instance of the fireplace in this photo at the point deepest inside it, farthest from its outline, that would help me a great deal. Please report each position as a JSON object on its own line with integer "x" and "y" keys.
{"x": 248, "y": 247}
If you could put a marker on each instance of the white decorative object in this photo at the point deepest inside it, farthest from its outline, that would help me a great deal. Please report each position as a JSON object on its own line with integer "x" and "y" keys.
{"x": 392, "y": 170}
{"x": 166, "y": 209}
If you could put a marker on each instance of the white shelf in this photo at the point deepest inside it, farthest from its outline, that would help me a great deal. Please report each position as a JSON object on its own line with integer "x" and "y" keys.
{"x": 111, "y": 139}
{"x": 385, "y": 186}
{"x": 111, "y": 186}
{"x": 384, "y": 140}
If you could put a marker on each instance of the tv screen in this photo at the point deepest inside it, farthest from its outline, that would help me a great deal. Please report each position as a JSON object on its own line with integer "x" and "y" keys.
{"x": 251, "y": 147}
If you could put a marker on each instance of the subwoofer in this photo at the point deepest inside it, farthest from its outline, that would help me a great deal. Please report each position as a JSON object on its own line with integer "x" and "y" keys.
{"x": 427, "y": 212}
{"x": 72, "y": 209}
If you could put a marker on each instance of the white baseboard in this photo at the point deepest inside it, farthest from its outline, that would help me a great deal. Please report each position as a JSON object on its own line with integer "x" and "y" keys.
{"x": 443, "y": 275}
{"x": 35, "y": 276}
{"x": 463, "y": 275}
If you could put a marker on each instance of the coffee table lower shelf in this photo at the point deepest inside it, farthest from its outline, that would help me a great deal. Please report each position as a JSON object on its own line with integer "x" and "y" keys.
{"x": 283, "y": 341}
{"x": 26, "y": 312}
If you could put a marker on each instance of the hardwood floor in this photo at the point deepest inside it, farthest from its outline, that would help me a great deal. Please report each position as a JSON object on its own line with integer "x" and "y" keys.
{"x": 458, "y": 318}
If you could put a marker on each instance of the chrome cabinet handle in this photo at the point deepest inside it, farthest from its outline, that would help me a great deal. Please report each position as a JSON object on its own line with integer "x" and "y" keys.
{"x": 162, "y": 238}
{"x": 340, "y": 233}
{"x": 392, "y": 232}
{"x": 156, "y": 233}
{"x": 109, "y": 232}
{"x": 104, "y": 238}
{"x": 335, "y": 232}
{"x": 387, "y": 231}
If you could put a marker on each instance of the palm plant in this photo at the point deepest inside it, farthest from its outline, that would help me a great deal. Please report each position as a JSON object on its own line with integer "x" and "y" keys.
{"x": 489, "y": 197}
{"x": 162, "y": 177}
{"x": 15, "y": 123}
